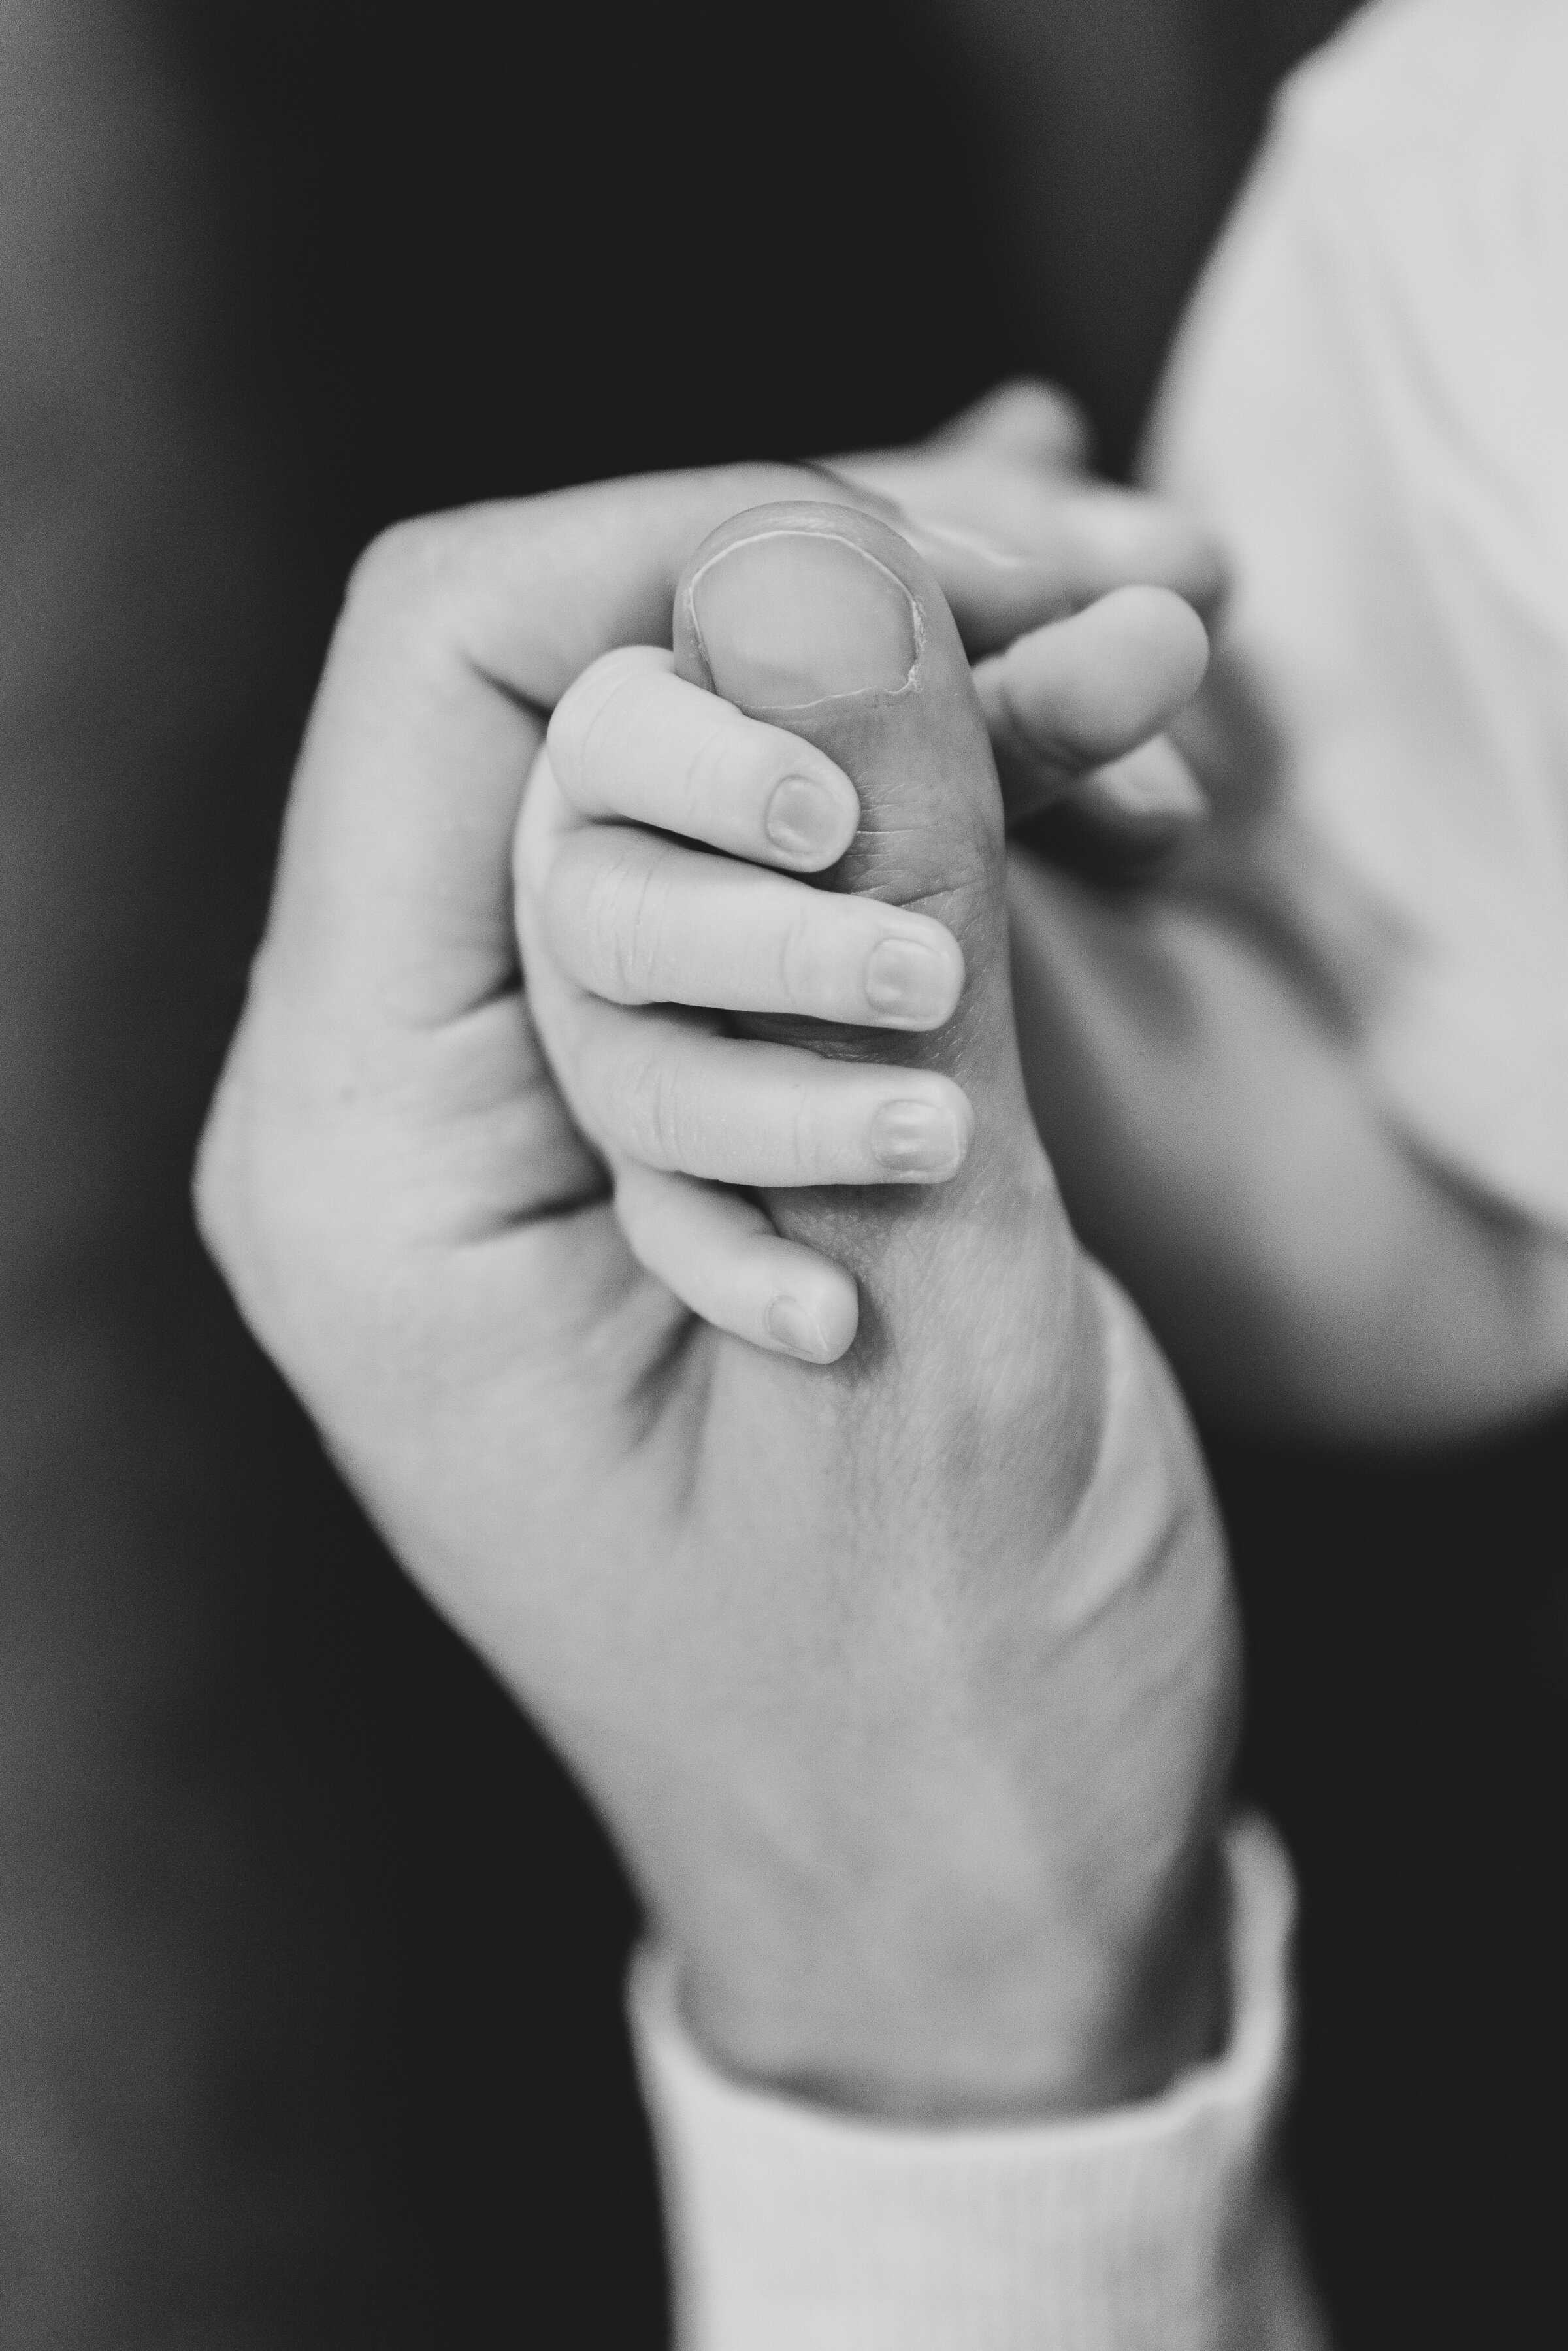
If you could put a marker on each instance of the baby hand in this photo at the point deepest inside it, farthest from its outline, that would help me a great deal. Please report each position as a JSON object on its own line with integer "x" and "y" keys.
{"x": 667, "y": 868}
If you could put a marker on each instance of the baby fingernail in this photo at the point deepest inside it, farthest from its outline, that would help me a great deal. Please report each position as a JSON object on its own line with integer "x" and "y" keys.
{"x": 914, "y": 1138}
{"x": 908, "y": 981}
{"x": 804, "y": 818}
{"x": 788, "y": 1321}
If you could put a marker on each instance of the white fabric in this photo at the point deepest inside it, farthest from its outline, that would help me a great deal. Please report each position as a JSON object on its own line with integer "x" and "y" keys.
{"x": 1151, "y": 2228}
{"x": 1369, "y": 398}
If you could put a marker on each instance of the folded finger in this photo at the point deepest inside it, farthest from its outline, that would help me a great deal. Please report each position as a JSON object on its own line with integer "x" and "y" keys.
{"x": 1121, "y": 824}
{"x": 1150, "y": 790}
{"x": 630, "y": 739}
{"x": 640, "y": 919}
{"x": 718, "y": 1251}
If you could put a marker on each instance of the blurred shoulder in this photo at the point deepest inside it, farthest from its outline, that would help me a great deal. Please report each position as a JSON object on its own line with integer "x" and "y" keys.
{"x": 1428, "y": 80}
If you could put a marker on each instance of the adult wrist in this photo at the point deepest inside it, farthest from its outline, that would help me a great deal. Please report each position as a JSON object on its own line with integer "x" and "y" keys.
{"x": 973, "y": 2012}
{"x": 1017, "y": 1905}
{"x": 1143, "y": 2225}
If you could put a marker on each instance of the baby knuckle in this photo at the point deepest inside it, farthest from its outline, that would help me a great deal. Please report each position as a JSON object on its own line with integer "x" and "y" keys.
{"x": 655, "y": 1111}
{"x": 584, "y": 727}
{"x": 709, "y": 776}
{"x": 624, "y": 922}
{"x": 797, "y": 964}
{"x": 802, "y": 1136}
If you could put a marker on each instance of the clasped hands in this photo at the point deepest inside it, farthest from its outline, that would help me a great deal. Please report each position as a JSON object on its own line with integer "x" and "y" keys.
{"x": 665, "y": 1250}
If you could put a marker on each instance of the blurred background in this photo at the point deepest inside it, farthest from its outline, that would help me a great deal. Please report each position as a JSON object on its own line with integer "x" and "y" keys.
{"x": 310, "y": 1957}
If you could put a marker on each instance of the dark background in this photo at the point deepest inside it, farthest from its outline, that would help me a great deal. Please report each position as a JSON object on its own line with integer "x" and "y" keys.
{"x": 311, "y": 1958}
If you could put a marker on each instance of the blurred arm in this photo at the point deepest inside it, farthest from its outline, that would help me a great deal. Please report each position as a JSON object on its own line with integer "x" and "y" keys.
{"x": 1222, "y": 1151}
{"x": 136, "y": 585}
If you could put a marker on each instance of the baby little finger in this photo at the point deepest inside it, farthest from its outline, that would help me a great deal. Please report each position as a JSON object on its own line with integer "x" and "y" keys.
{"x": 719, "y": 1253}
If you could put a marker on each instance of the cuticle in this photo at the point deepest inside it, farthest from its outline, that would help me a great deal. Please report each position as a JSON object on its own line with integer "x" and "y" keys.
{"x": 916, "y": 608}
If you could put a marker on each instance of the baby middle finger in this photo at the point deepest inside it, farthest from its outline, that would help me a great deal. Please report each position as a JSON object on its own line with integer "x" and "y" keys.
{"x": 638, "y": 919}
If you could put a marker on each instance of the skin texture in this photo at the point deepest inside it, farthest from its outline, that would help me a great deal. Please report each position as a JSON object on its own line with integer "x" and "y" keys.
{"x": 1196, "y": 1077}
{"x": 846, "y": 1657}
{"x": 1192, "y": 1065}
{"x": 1308, "y": 1271}
{"x": 640, "y": 919}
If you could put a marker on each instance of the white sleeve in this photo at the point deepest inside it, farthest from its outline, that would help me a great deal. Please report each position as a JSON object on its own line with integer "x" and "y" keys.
{"x": 1150, "y": 2227}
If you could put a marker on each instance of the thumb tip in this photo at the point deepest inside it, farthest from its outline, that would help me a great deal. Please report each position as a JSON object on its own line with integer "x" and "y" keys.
{"x": 791, "y": 605}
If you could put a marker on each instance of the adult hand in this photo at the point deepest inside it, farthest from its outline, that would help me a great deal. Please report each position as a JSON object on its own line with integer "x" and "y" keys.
{"x": 1192, "y": 1047}
{"x": 1009, "y": 474}
{"x": 905, "y": 1685}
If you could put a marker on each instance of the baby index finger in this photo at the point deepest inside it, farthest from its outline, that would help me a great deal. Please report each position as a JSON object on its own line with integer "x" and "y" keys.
{"x": 1082, "y": 693}
{"x": 630, "y": 740}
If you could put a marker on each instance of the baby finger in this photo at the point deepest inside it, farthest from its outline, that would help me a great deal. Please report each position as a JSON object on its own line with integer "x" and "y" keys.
{"x": 631, "y": 740}
{"x": 719, "y": 1253}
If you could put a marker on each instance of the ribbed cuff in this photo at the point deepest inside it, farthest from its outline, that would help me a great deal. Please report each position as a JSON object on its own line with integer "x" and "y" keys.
{"x": 794, "y": 2228}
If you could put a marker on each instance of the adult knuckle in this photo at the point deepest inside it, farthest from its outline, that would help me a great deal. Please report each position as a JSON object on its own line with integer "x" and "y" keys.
{"x": 1029, "y": 396}
{"x": 646, "y": 932}
{"x": 402, "y": 563}
{"x": 248, "y": 1207}
{"x": 217, "y": 1194}
{"x": 286, "y": 1203}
